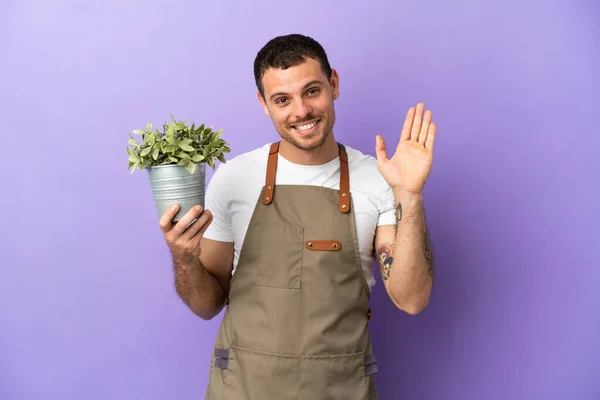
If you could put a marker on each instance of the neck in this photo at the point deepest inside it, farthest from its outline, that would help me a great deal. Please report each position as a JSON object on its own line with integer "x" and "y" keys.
{"x": 323, "y": 154}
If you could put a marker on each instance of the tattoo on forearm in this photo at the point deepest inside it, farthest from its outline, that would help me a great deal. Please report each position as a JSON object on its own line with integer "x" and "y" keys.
{"x": 385, "y": 256}
{"x": 398, "y": 216}
{"x": 428, "y": 253}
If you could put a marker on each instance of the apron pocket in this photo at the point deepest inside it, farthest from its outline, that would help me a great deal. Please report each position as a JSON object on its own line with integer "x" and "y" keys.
{"x": 335, "y": 377}
{"x": 254, "y": 375}
{"x": 280, "y": 253}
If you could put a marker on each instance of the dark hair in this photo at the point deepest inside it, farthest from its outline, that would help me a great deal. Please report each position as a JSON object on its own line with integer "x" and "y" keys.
{"x": 288, "y": 51}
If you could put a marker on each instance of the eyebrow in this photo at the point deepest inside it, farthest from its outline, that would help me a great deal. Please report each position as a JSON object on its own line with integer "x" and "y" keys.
{"x": 313, "y": 82}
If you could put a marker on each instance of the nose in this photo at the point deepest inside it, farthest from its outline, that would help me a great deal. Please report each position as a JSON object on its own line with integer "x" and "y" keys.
{"x": 301, "y": 109}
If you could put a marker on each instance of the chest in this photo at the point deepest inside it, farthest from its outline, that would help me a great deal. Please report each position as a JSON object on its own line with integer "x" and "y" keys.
{"x": 365, "y": 208}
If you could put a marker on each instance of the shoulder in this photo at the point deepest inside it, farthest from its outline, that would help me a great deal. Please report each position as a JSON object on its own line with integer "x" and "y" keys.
{"x": 373, "y": 193}
{"x": 364, "y": 168}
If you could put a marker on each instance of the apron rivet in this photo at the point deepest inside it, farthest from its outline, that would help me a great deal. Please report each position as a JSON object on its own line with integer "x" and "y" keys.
{"x": 343, "y": 206}
{"x": 335, "y": 245}
{"x": 268, "y": 198}
{"x": 309, "y": 244}
{"x": 344, "y": 194}
{"x": 269, "y": 188}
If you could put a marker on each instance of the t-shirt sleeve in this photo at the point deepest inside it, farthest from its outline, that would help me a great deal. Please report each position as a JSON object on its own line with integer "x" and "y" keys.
{"x": 217, "y": 201}
{"x": 387, "y": 213}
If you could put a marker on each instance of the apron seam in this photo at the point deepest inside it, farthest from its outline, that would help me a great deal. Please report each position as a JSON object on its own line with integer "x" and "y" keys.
{"x": 297, "y": 356}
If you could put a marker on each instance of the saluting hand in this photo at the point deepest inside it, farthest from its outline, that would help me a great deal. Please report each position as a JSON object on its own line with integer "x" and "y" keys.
{"x": 410, "y": 165}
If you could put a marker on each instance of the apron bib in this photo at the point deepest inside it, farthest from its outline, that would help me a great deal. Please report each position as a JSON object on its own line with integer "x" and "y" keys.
{"x": 296, "y": 322}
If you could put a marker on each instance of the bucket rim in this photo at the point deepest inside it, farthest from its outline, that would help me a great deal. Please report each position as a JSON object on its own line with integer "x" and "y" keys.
{"x": 173, "y": 165}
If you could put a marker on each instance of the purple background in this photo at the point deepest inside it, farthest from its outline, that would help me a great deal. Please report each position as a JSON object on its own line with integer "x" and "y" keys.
{"x": 87, "y": 305}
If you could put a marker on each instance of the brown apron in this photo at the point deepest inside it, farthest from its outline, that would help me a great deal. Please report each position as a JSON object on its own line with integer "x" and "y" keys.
{"x": 296, "y": 322}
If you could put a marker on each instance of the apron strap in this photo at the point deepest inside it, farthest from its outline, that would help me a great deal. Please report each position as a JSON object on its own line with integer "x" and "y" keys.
{"x": 271, "y": 169}
{"x": 344, "y": 180}
{"x": 344, "y": 202}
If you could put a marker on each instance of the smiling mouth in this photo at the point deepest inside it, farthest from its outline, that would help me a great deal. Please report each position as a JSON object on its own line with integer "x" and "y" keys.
{"x": 306, "y": 128}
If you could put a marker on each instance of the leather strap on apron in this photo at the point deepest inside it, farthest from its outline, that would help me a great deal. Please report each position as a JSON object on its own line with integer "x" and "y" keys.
{"x": 269, "y": 188}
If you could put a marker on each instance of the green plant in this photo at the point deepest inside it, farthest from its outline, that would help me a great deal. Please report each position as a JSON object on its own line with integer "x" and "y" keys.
{"x": 178, "y": 144}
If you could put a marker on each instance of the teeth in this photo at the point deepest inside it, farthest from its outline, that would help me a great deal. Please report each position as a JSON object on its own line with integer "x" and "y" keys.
{"x": 305, "y": 127}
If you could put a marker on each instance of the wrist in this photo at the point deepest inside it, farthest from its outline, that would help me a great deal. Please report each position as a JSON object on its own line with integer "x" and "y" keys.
{"x": 184, "y": 261}
{"x": 409, "y": 206}
{"x": 406, "y": 196}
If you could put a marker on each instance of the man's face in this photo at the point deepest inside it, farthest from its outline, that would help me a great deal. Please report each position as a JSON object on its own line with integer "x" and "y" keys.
{"x": 299, "y": 101}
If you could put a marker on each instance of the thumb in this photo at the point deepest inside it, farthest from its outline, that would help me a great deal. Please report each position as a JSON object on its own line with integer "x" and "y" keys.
{"x": 380, "y": 149}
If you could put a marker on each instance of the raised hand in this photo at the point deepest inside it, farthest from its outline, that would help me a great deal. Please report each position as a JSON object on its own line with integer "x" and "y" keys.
{"x": 185, "y": 243}
{"x": 409, "y": 167}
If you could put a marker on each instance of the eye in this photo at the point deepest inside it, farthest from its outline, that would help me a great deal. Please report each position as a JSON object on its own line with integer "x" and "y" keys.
{"x": 280, "y": 101}
{"x": 313, "y": 91}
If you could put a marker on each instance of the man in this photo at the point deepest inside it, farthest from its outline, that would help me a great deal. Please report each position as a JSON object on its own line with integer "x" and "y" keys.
{"x": 289, "y": 237}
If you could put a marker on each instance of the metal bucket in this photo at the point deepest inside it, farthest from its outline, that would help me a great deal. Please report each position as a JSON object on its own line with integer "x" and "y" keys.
{"x": 174, "y": 184}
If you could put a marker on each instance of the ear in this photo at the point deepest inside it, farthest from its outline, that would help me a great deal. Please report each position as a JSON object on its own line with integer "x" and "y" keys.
{"x": 263, "y": 104}
{"x": 335, "y": 84}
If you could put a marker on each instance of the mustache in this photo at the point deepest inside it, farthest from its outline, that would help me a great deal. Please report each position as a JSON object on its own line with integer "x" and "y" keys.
{"x": 304, "y": 120}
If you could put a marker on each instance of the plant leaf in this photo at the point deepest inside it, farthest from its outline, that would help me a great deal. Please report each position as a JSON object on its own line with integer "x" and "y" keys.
{"x": 146, "y": 151}
{"x": 190, "y": 166}
{"x": 197, "y": 158}
{"x": 185, "y": 147}
{"x": 170, "y": 130}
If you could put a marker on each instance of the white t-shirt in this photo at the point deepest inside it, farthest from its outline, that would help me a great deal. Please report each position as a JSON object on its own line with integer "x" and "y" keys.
{"x": 233, "y": 191}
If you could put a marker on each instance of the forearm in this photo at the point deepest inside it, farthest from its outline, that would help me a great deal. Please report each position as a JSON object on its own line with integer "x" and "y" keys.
{"x": 197, "y": 287}
{"x": 411, "y": 272}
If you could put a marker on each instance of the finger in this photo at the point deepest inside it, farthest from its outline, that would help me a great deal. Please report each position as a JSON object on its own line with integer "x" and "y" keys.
{"x": 165, "y": 221}
{"x": 431, "y": 136}
{"x": 410, "y": 115}
{"x": 425, "y": 127}
{"x": 416, "y": 125}
{"x": 198, "y": 226}
{"x": 380, "y": 149}
{"x": 187, "y": 219}
{"x": 206, "y": 225}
